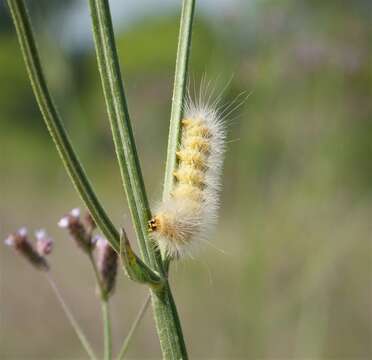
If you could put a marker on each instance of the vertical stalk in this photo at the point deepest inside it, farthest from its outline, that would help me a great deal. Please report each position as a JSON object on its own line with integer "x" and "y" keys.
{"x": 179, "y": 89}
{"x": 106, "y": 330}
{"x": 183, "y": 54}
{"x": 54, "y": 123}
{"x": 168, "y": 325}
{"x": 117, "y": 109}
{"x": 106, "y": 321}
{"x": 165, "y": 312}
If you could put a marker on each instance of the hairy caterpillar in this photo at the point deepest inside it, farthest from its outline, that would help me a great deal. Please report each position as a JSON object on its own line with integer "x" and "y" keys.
{"x": 191, "y": 209}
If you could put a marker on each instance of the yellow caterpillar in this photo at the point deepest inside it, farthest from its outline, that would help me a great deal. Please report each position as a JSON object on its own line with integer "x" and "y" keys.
{"x": 191, "y": 209}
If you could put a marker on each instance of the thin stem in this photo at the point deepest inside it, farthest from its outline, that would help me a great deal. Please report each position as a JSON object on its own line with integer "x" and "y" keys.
{"x": 79, "y": 332}
{"x": 107, "y": 338}
{"x": 54, "y": 124}
{"x": 179, "y": 90}
{"x": 118, "y": 114}
{"x": 137, "y": 320}
{"x": 97, "y": 275}
{"x": 106, "y": 330}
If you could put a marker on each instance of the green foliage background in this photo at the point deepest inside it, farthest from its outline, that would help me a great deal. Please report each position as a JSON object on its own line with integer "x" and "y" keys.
{"x": 288, "y": 272}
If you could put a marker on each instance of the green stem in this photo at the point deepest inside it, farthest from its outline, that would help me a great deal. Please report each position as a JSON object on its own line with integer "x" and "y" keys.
{"x": 168, "y": 325}
{"x": 161, "y": 307}
{"x": 118, "y": 114}
{"x": 167, "y": 321}
{"x": 179, "y": 90}
{"x": 79, "y": 332}
{"x": 97, "y": 275}
{"x": 106, "y": 330}
{"x": 127, "y": 340}
{"x": 54, "y": 123}
{"x": 107, "y": 338}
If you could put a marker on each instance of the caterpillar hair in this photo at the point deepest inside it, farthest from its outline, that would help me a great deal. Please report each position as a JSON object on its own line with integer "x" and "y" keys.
{"x": 185, "y": 218}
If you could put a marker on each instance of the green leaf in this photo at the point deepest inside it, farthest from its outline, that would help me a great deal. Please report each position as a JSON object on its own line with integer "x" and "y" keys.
{"x": 135, "y": 268}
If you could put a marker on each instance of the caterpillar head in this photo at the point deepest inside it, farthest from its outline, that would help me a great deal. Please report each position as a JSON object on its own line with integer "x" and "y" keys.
{"x": 153, "y": 224}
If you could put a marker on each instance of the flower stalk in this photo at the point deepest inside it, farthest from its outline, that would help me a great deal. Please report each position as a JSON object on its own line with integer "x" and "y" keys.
{"x": 137, "y": 321}
{"x": 75, "y": 325}
{"x": 107, "y": 355}
{"x": 36, "y": 257}
{"x": 106, "y": 320}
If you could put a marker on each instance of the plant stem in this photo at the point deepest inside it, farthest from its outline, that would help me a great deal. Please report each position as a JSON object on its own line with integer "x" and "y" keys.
{"x": 179, "y": 90}
{"x": 106, "y": 330}
{"x": 79, "y": 332}
{"x": 118, "y": 114}
{"x": 166, "y": 317}
{"x": 104, "y": 298}
{"x": 137, "y": 320}
{"x": 54, "y": 123}
{"x": 168, "y": 325}
{"x": 97, "y": 275}
{"x": 175, "y": 336}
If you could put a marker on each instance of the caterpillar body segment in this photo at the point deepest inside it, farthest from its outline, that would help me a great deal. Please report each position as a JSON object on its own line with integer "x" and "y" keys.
{"x": 186, "y": 216}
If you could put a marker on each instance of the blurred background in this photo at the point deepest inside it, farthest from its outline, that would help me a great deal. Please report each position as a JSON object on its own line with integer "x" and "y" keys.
{"x": 288, "y": 274}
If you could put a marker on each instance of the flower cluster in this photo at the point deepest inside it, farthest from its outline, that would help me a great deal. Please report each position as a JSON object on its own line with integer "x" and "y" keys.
{"x": 81, "y": 229}
{"x": 35, "y": 255}
{"x": 107, "y": 263}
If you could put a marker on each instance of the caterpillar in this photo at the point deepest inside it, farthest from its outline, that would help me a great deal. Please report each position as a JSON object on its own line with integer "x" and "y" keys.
{"x": 190, "y": 210}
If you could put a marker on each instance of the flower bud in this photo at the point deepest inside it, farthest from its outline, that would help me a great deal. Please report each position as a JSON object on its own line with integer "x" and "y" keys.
{"x": 107, "y": 263}
{"x": 19, "y": 241}
{"x": 44, "y": 243}
{"x": 77, "y": 230}
{"x": 89, "y": 222}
